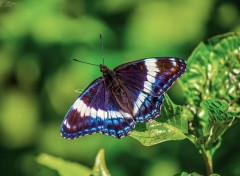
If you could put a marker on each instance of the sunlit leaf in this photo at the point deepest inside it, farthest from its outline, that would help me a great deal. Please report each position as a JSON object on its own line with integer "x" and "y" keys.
{"x": 219, "y": 119}
{"x": 214, "y": 104}
{"x": 100, "y": 168}
{"x": 187, "y": 174}
{"x": 213, "y": 72}
{"x": 212, "y": 89}
{"x": 64, "y": 168}
{"x": 172, "y": 124}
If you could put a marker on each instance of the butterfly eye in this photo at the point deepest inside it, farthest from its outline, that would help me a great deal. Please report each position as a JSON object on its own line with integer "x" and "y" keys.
{"x": 103, "y": 68}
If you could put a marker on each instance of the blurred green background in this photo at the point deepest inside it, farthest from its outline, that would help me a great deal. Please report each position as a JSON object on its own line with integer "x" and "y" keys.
{"x": 38, "y": 79}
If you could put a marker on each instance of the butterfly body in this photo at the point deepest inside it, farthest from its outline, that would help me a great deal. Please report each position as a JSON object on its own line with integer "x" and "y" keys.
{"x": 114, "y": 102}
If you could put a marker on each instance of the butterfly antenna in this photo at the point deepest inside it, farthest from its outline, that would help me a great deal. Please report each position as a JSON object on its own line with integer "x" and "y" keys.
{"x": 84, "y": 62}
{"x": 100, "y": 35}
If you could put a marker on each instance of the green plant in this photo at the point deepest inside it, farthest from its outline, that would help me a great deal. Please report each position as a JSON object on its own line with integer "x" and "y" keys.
{"x": 211, "y": 88}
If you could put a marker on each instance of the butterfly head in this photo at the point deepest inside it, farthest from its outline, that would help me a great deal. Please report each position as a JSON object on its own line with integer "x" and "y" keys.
{"x": 103, "y": 68}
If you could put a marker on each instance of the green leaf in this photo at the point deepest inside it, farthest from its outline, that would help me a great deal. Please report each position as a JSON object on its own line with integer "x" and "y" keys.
{"x": 219, "y": 120}
{"x": 64, "y": 168}
{"x": 187, "y": 174}
{"x": 213, "y": 71}
{"x": 100, "y": 168}
{"x": 172, "y": 124}
{"x": 214, "y": 105}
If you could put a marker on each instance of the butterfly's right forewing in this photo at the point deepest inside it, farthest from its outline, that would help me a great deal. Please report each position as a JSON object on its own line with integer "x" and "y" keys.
{"x": 147, "y": 80}
{"x": 152, "y": 75}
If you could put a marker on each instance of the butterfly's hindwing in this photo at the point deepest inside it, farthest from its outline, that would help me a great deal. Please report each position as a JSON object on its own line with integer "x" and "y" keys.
{"x": 117, "y": 122}
{"x": 145, "y": 106}
{"x": 148, "y": 109}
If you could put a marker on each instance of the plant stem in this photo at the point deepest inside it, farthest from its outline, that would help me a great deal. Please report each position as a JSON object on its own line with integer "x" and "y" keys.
{"x": 207, "y": 156}
{"x": 208, "y": 160}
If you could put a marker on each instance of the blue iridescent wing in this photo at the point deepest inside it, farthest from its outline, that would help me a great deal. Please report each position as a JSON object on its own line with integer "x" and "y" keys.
{"x": 95, "y": 111}
{"x": 148, "y": 80}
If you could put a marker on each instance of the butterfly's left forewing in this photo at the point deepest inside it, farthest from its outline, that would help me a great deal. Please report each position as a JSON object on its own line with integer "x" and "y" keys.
{"x": 95, "y": 111}
{"x": 82, "y": 119}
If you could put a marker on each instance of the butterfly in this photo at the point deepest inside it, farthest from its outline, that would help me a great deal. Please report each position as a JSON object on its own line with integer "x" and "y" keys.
{"x": 130, "y": 93}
